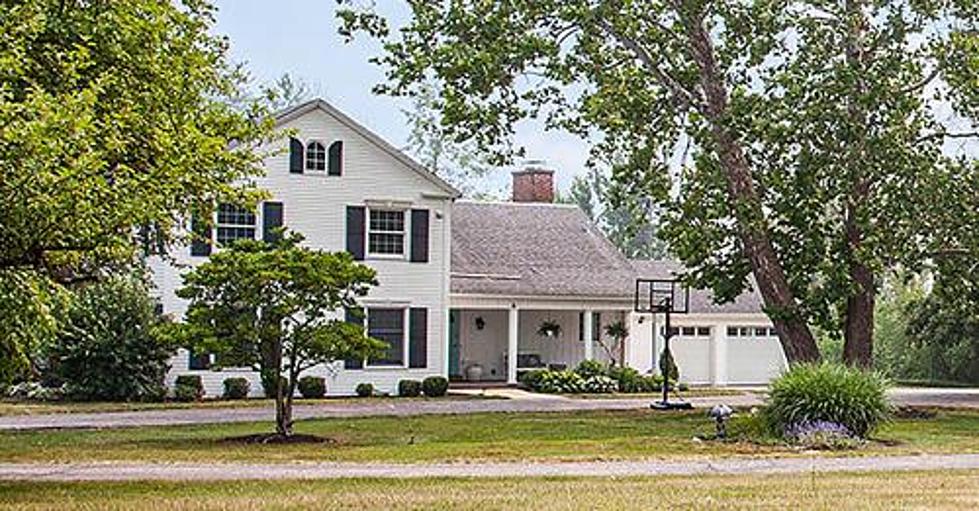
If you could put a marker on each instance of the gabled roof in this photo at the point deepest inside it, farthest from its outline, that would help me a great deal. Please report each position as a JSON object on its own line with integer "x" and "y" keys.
{"x": 701, "y": 300}
{"x": 533, "y": 249}
{"x": 301, "y": 109}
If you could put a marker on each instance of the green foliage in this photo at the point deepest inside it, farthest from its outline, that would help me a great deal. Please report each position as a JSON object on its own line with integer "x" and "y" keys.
{"x": 31, "y": 309}
{"x": 435, "y": 386}
{"x": 553, "y": 382}
{"x": 668, "y": 367}
{"x": 312, "y": 387}
{"x": 236, "y": 388}
{"x": 599, "y": 384}
{"x": 365, "y": 389}
{"x": 836, "y": 393}
{"x": 188, "y": 387}
{"x": 793, "y": 147}
{"x": 109, "y": 347}
{"x": 274, "y": 306}
{"x": 897, "y": 354}
{"x": 588, "y": 368}
{"x": 409, "y": 388}
{"x": 944, "y": 329}
{"x": 629, "y": 221}
{"x": 115, "y": 127}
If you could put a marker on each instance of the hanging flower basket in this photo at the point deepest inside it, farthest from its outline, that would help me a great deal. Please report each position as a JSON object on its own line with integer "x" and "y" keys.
{"x": 549, "y": 329}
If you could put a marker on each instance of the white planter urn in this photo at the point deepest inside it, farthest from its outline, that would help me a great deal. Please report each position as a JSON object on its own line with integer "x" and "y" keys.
{"x": 474, "y": 372}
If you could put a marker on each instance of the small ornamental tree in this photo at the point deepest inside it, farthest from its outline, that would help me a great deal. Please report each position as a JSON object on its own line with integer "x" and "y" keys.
{"x": 277, "y": 307}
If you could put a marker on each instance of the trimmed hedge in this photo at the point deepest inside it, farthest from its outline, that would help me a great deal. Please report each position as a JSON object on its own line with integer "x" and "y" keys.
{"x": 188, "y": 387}
{"x": 435, "y": 386}
{"x": 236, "y": 388}
{"x": 409, "y": 388}
{"x": 365, "y": 389}
{"x": 312, "y": 387}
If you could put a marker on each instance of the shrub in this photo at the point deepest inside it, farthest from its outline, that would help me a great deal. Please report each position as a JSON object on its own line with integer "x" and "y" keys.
{"x": 560, "y": 382}
{"x": 667, "y": 366}
{"x": 850, "y": 397}
{"x": 110, "y": 347}
{"x": 188, "y": 387}
{"x": 365, "y": 389}
{"x": 435, "y": 386}
{"x": 599, "y": 385}
{"x": 628, "y": 379}
{"x": 588, "y": 368}
{"x": 312, "y": 387}
{"x": 35, "y": 391}
{"x": 268, "y": 383}
{"x": 409, "y": 388}
{"x": 236, "y": 388}
{"x": 531, "y": 379}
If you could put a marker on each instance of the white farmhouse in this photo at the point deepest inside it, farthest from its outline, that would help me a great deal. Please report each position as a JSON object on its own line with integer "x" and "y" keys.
{"x": 465, "y": 287}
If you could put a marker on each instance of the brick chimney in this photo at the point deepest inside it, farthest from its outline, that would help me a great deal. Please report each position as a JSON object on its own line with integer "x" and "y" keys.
{"x": 535, "y": 183}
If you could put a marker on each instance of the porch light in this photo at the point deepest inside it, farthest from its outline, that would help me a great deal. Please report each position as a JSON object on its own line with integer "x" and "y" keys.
{"x": 480, "y": 323}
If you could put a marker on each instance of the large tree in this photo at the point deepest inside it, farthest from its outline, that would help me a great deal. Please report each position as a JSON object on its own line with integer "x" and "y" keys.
{"x": 277, "y": 307}
{"x": 798, "y": 134}
{"x": 115, "y": 126}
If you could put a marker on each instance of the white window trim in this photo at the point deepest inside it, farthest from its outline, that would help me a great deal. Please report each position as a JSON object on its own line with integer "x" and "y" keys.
{"x": 404, "y": 337}
{"x": 257, "y": 213}
{"x": 326, "y": 156}
{"x": 405, "y": 235}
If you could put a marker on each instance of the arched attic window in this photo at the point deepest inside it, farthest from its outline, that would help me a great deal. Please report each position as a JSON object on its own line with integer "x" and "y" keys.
{"x": 315, "y": 156}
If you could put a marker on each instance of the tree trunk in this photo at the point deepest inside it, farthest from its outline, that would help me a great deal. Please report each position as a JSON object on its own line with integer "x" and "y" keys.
{"x": 859, "y": 322}
{"x": 283, "y": 409}
{"x": 780, "y": 303}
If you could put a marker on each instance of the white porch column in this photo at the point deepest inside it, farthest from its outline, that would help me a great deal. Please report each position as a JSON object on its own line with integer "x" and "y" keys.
{"x": 512, "y": 344}
{"x": 588, "y": 328}
{"x": 718, "y": 355}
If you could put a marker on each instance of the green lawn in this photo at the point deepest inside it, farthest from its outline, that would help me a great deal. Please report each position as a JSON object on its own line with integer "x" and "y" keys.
{"x": 8, "y": 407}
{"x": 587, "y": 435}
{"x": 692, "y": 392}
{"x": 874, "y": 491}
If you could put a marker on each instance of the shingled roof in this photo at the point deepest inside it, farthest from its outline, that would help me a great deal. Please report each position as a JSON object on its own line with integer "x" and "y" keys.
{"x": 552, "y": 250}
{"x": 532, "y": 249}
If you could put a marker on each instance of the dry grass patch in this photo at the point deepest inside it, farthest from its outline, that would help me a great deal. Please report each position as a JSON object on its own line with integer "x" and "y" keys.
{"x": 829, "y": 491}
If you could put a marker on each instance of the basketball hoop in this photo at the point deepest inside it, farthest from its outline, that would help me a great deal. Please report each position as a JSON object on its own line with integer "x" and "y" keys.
{"x": 667, "y": 297}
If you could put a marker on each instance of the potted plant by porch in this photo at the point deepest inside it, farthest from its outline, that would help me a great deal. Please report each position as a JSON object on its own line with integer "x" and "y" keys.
{"x": 549, "y": 328}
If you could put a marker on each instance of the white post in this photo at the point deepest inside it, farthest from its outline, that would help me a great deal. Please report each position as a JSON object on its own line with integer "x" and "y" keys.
{"x": 512, "y": 345}
{"x": 718, "y": 355}
{"x": 589, "y": 328}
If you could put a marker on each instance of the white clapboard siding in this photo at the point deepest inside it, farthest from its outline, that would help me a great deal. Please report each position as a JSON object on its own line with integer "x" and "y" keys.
{"x": 315, "y": 205}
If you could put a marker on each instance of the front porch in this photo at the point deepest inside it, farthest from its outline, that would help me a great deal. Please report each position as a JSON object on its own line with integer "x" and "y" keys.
{"x": 488, "y": 344}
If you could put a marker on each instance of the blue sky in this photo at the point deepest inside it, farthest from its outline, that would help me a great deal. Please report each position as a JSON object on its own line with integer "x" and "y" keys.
{"x": 299, "y": 37}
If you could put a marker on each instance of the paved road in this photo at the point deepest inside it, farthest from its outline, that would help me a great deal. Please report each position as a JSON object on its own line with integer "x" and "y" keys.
{"x": 968, "y": 398}
{"x": 387, "y": 407}
{"x": 229, "y": 471}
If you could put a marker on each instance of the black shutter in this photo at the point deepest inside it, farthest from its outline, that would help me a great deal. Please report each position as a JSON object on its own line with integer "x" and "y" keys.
{"x": 198, "y": 361}
{"x": 419, "y": 235}
{"x": 295, "y": 156}
{"x": 355, "y": 231}
{"x": 355, "y": 316}
{"x": 418, "y": 337}
{"x": 200, "y": 243}
{"x": 271, "y": 220}
{"x": 335, "y": 166}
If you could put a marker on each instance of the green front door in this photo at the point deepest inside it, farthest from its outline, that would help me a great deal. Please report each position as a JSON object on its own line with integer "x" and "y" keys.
{"x": 454, "y": 344}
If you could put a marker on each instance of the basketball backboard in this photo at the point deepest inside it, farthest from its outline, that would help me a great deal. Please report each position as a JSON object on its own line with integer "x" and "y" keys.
{"x": 661, "y": 295}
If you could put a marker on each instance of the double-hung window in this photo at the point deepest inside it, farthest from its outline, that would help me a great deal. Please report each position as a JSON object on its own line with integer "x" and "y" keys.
{"x": 234, "y": 223}
{"x": 386, "y": 233}
{"x": 388, "y": 325}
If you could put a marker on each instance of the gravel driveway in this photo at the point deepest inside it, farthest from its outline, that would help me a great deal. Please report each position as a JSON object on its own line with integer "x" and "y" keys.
{"x": 228, "y": 471}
